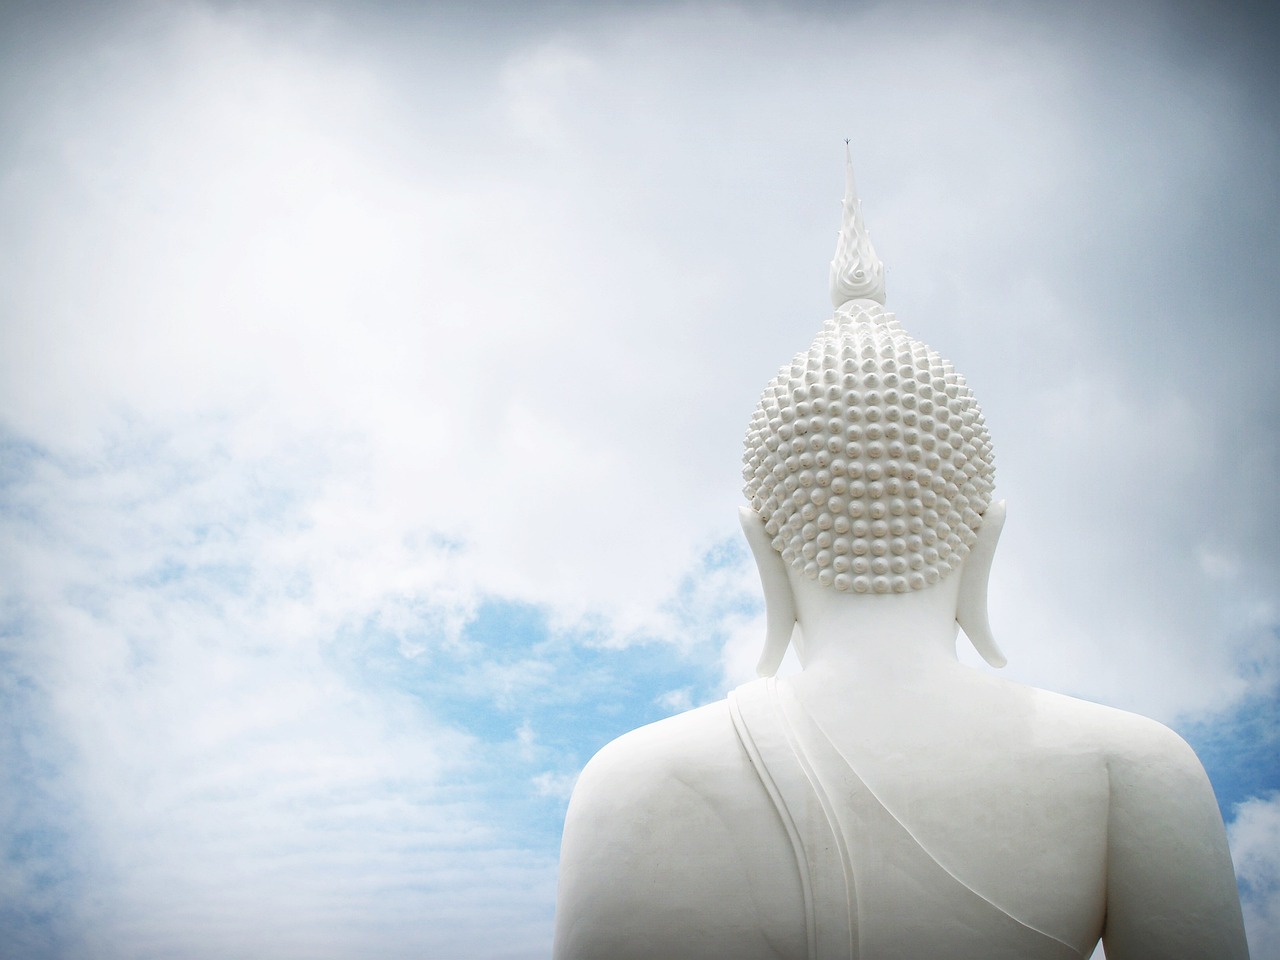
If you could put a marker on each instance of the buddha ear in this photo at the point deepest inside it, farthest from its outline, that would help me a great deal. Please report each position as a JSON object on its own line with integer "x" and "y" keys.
{"x": 779, "y": 603}
{"x": 971, "y": 606}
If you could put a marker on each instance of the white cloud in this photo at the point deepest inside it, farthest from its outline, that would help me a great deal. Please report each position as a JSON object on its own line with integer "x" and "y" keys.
{"x": 676, "y": 700}
{"x": 1255, "y": 846}
{"x": 228, "y": 778}
{"x": 557, "y": 785}
{"x": 539, "y": 85}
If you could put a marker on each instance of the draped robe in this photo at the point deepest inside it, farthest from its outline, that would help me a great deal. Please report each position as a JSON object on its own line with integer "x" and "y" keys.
{"x": 871, "y": 890}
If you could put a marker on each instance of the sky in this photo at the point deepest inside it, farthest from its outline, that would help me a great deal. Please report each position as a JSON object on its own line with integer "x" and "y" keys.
{"x": 373, "y": 379}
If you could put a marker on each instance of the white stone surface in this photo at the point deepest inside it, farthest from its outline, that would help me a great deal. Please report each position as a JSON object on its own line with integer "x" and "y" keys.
{"x": 889, "y": 803}
{"x": 856, "y": 270}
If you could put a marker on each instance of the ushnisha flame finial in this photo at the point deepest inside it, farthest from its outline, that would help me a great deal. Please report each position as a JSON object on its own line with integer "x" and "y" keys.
{"x": 856, "y": 271}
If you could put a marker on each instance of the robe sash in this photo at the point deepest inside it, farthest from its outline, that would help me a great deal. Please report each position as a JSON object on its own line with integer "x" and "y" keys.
{"x": 871, "y": 891}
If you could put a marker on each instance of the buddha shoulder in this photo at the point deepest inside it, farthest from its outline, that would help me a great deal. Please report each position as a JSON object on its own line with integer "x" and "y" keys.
{"x": 1152, "y": 771}
{"x": 1171, "y": 890}
{"x": 661, "y": 819}
{"x": 652, "y": 756}
{"x": 1126, "y": 740}
{"x": 1157, "y": 787}
{"x": 685, "y": 775}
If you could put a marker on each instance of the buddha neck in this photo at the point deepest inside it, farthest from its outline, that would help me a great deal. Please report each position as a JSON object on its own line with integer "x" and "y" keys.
{"x": 880, "y": 638}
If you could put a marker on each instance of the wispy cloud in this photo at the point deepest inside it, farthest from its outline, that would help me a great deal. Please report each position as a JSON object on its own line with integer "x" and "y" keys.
{"x": 1255, "y": 843}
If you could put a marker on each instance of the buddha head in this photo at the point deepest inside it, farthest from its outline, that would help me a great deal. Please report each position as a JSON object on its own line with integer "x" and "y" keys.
{"x": 868, "y": 466}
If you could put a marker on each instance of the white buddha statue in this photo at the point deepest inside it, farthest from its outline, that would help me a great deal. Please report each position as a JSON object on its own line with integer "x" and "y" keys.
{"x": 888, "y": 802}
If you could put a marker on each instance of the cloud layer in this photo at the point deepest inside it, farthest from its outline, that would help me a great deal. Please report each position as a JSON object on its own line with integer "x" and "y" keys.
{"x": 372, "y": 385}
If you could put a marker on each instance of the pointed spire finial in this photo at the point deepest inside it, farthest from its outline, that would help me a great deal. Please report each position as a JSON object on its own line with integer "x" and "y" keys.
{"x": 856, "y": 271}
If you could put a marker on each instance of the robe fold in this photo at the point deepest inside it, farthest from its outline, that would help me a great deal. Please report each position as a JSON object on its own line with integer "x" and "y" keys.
{"x": 871, "y": 891}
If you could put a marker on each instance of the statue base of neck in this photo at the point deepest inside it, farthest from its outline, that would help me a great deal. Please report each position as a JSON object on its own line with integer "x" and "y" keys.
{"x": 878, "y": 637}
